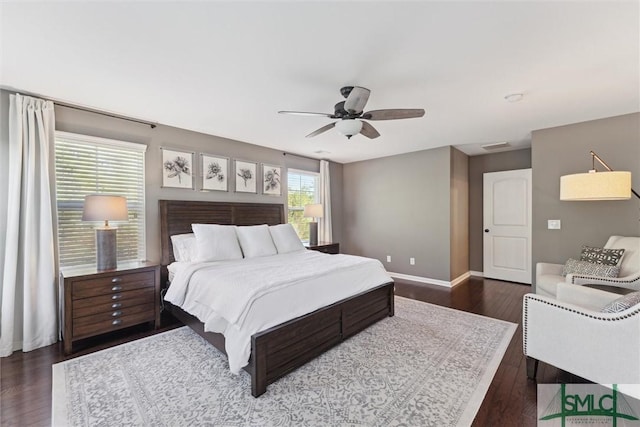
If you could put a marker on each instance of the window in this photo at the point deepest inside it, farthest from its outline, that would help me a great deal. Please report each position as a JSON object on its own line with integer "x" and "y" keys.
{"x": 89, "y": 165}
{"x": 303, "y": 189}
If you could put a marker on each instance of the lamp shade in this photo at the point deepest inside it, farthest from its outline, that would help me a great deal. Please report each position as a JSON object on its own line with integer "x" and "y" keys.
{"x": 103, "y": 207}
{"x": 349, "y": 127}
{"x": 313, "y": 211}
{"x": 596, "y": 186}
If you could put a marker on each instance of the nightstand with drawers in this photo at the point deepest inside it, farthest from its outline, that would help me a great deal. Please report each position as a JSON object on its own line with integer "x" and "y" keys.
{"x": 326, "y": 247}
{"x": 97, "y": 302}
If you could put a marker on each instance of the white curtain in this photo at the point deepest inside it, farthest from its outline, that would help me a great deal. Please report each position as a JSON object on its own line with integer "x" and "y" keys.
{"x": 28, "y": 310}
{"x": 325, "y": 232}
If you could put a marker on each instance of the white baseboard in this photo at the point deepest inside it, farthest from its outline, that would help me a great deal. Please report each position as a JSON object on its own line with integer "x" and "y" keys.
{"x": 430, "y": 281}
{"x": 476, "y": 273}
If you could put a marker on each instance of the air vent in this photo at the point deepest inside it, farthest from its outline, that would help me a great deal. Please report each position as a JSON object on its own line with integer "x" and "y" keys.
{"x": 495, "y": 146}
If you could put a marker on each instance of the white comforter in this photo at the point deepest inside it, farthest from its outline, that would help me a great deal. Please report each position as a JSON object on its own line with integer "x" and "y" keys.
{"x": 241, "y": 297}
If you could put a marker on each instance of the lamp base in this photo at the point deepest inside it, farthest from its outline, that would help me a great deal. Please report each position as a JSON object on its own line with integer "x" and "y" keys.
{"x": 106, "y": 248}
{"x": 313, "y": 233}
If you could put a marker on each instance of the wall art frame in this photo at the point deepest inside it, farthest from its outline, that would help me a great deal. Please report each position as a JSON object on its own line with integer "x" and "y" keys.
{"x": 177, "y": 168}
{"x": 245, "y": 174}
{"x": 214, "y": 170}
{"x": 271, "y": 180}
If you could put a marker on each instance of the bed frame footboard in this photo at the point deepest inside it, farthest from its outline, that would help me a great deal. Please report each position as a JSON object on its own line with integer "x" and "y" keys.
{"x": 280, "y": 350}
{"x": 288, "y": 346}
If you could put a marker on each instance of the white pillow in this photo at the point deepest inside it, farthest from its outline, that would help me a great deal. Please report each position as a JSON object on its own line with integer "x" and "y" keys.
{"x": 255, "y": 241}
{"x": 286, "y": 239}
{"x": 184, "y": 247}
{"x": 216, "y": 242}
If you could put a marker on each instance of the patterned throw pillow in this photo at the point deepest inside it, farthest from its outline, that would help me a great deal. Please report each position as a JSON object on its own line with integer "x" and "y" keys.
{"x": 574, "y": 266}
{"x": 601, "y": 255}
{"x": 622, "y": 303}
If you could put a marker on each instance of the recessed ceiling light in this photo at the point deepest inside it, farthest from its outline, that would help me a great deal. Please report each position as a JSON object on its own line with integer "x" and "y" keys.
{"x": 514, "y": 97}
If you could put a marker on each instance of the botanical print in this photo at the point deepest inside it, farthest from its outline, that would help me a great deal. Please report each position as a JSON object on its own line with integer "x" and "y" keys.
{"x": 246, "y": 177}
{"x": 272, "y": 180}
{"x": 214, "y": 173}
{"x": 177, "y": 170}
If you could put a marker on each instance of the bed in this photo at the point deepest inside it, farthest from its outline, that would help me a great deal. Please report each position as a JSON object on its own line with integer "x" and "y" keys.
{"x": 278, "y": 350}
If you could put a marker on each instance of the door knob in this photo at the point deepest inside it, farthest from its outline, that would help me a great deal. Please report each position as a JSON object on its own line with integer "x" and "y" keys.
{"x": 486, "y": 230}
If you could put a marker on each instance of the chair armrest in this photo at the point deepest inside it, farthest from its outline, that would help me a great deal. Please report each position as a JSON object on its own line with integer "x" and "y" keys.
{"x": 601, "y": 347}
{"x": 628, "y": 282}
{"x": 544, "y": 268}
{"x": 582, "y": 296}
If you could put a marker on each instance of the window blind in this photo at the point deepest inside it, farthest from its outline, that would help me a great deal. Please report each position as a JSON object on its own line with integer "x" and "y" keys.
{"x": 89, "y": 165}
{"x": 302, "y": 189}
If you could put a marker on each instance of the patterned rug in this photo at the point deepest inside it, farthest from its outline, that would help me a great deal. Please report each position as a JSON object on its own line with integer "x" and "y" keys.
{"x": 426, "y": 366}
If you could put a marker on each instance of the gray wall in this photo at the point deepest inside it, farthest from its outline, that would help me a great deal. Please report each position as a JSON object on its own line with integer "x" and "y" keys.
{"x": 76, "y": 121}
{"x": 478, "y": 165}
{"x": 459, "y": 213}
{"x": 565, "y": 150}
{"x": 400, "y": 206}
{"x": 407, "y": 205}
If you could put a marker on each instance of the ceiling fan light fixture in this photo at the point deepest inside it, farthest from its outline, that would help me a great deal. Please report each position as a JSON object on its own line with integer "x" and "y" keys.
{"x": 349, "y": 127}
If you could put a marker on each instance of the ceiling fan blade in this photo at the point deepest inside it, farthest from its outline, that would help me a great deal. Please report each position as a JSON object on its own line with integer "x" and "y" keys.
{"x": 305, "y": 113}
{"x": 393, "y": 114}
{"x": 357, "y": 99}
{"x": 369, "y": 131}
{"x": 321, "y": 130}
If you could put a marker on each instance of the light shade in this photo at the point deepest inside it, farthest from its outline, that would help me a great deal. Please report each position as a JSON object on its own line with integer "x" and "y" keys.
{"x": 349, "y": 127}
{"x": 313, "y": 211}
{"x": 103, "y": 207}
{"x": 596, "y": 186}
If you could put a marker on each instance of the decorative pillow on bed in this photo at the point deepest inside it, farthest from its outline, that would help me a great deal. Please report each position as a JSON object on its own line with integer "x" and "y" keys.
{"x": 622, "y": 303}
{"x": 255, "y": 241}
{"x": 574, "y": 266}
{"x": 601, "y": 255}
{"x": 286, "y": 239}
{"x": 184, "y": 247}
{"x": 216, "y": 242}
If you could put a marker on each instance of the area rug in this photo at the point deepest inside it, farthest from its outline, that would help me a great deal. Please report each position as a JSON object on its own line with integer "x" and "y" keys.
{"x": 426, "y": 366}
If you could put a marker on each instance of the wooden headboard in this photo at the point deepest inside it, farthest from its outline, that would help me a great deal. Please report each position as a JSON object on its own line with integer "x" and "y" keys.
{"x": 176, "y": 217}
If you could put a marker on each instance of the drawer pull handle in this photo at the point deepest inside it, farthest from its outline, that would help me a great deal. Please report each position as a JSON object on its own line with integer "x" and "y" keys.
{"x": 116, "y": 288}
{"x": 116, "y": 313}
{"x": 116, "y": 305}
{"x": 116, "y": 322}
{"x": 116, "y": 280}
{"x": 116, "y": 296}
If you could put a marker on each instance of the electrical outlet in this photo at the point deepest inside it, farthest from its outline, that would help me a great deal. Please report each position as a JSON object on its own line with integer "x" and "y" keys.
{"x": 412, "y": 261}
{"x": 388, "y": 258}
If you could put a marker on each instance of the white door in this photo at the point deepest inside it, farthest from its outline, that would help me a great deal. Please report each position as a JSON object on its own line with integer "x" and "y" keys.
{"x": 507, "y": 225}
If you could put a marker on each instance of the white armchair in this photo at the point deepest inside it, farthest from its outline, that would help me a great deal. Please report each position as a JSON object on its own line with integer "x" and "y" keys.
{"x": 600, "y": 347}
{"x": 549, "y": 275}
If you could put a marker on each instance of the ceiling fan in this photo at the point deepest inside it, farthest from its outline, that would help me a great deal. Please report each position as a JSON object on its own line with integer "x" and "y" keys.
{"x": 351, "y": 115}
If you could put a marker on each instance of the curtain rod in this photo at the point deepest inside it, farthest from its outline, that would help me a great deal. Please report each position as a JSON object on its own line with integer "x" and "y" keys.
{"x": 284, "y": 153}
{"x": 79, "y": 107}
{"x": 103, "y": 113}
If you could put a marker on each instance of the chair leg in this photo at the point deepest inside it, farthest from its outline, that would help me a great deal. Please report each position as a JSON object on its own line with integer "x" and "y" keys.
{"x": 532, "y": 368}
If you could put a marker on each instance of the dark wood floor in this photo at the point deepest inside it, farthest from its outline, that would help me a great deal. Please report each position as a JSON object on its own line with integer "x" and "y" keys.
{"x": 25, "y": 378}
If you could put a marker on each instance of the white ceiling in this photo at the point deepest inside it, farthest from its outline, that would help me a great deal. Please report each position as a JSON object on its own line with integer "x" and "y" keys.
{"x": 226, "y": 68}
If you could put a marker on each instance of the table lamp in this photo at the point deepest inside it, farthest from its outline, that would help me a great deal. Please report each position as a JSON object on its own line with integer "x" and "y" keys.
{"x": 103, "y": 207}
{"x": 313, "y": 211}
